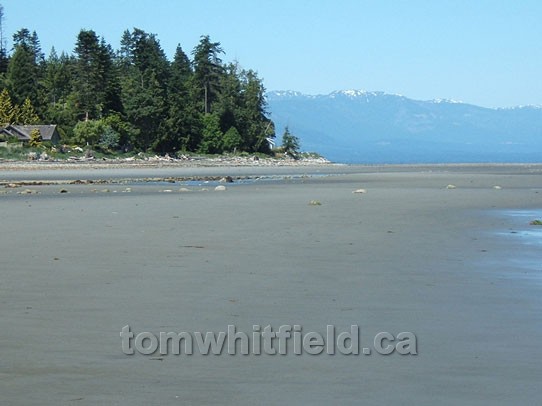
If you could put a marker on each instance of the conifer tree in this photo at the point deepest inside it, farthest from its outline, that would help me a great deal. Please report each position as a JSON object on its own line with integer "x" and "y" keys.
{"x": 6, "y": 108}
{"x": 211, "y": 142}
{"x": 193, "y": 105}
{"x": 257, "y": 126}
{"x": 26, "y": 114}
{"x": 94, "y": 76}
{"x": 207, "y": 71}
{"x": 290, "y": 143}
{"x": 145, "y": 71}
{"x": 57, "y": 86}
{"x": 183, "y": 123}
{"x": 4, "y": 59}
{"x": 23, "y": 73}
{"x": 35, "y": 138}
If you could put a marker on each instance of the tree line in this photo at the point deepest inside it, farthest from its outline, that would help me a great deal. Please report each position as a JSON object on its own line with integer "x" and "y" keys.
{"x": 134, "y": 98}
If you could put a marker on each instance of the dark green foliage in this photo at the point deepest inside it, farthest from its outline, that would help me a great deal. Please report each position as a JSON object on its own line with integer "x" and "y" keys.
{"x": 127, "y": 132}
{"x": 109, "y": 140}
{"x": 4, "y": 59}
{"x": 135, "y": 98}
{"x": 232, "y": 140}
{"x": 254, "y": 112}
{"x": 88, "y": 132}
{"x": 57, "y": 80}
{"x": 23, "y": 72}
{"x": 183, "y": 124}
{"x": 145, "y": 107}
{"x": 208, "y": 70}
{"x": 95, "y": 82}
{"x": 290, "y": 143}
{"x": 211, "y": 142}
{"x": 145, "y": 71}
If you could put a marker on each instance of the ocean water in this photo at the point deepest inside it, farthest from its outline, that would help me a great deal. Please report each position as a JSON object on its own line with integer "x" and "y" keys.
{"x": 525, "y": 233}
{"x": 416, "y": 154}
{"x": 523, "y": 243}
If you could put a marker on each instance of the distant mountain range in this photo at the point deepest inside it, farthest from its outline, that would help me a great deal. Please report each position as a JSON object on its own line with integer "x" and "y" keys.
{"x": 354, "y": 126}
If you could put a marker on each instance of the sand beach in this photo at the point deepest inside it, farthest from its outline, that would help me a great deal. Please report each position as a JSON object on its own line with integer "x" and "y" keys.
{"x": 432, "y": 250}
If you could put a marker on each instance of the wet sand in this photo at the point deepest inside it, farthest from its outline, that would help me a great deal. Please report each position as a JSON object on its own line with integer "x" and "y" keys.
{"x": 410, "y": 255}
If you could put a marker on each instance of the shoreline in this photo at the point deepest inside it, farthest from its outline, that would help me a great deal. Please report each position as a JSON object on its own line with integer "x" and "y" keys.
{"x": 35, "y": 173}
{"x": 159, "y": 162}
{"x": 244, "y": 162}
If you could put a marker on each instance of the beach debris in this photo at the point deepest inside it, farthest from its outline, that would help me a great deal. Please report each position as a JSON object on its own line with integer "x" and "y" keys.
{"x": 63, "y": 191}
{"x": 32, "y": 156}
{"x": 28, "y": 192}
{"x": 105, "y": 191}
{"x": 166, "y": 191}
{"x": 184, "y": 190}
{"x": 315, "y": 203}
{"x": 497, "y": 187}
{"x": 226, "y": 179}
{"x": 127, "y": 190}
{"x": 81, "y": 155}
{"x": 360, "y": 191}
{"x": 536, "y": 223}
{"x": 81, "y": 182}
{"x": 220, "y": 188}
{"x": 12, "y": 185}
{"x": 451, "y": 187}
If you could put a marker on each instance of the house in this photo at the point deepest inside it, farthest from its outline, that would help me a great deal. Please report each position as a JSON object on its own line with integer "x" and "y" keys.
{"x": 271, "y": 143}
{"x": 22, "y": 132}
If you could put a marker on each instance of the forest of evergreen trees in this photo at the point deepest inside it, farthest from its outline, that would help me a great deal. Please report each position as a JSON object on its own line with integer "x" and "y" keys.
{"x": 134, "y": 98}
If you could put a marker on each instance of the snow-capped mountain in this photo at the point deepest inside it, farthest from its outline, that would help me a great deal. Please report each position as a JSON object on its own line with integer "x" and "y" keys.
{"x": 373, "y": 127}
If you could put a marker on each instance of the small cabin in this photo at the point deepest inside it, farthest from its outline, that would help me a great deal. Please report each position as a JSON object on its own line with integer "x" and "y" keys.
{"x": 22, "y": 132}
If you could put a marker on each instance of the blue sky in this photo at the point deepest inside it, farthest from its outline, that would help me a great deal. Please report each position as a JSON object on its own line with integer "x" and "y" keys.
{"x": 481, "y": 52}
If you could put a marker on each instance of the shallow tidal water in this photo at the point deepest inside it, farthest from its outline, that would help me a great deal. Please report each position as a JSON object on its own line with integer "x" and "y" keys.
{"x": 524, "y": 241}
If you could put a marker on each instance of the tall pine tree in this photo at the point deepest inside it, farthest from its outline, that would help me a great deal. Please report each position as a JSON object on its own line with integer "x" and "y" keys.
{"x": 145, "y": 72}
{"x": 95, "y": 79}
{"x": 257, "y": 127}
{"x": 24, "y": 72}
{"x": 184, "y": 122}
{"x": 207, "y": 71}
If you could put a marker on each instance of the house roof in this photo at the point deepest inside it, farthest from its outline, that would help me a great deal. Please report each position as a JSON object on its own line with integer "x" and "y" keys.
{"x": 23, "y": 131}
